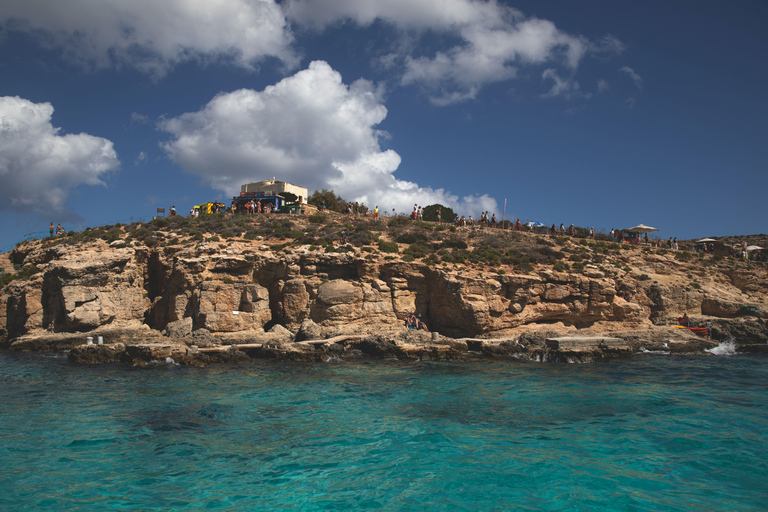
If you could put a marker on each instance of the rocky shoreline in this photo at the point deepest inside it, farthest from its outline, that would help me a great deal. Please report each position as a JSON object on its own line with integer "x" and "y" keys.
{"x": 163, "y": 290}
{"x": 142, "y": 347}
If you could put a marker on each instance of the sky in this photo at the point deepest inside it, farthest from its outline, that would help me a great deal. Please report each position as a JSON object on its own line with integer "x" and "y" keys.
{"x": 602, "y": 114}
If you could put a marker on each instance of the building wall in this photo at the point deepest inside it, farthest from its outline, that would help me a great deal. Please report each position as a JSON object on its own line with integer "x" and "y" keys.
{"x": 272, "y": 187}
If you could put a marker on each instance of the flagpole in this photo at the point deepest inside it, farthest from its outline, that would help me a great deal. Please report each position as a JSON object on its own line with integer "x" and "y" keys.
{"x": 503, "y": 213}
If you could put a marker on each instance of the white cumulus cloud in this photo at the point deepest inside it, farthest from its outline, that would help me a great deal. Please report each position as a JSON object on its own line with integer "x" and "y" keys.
{"x": 494, "y": 40}
{"x": 38, "y": 166}
{"x": 310, "y": 129}
{"x": 153, "y": 36}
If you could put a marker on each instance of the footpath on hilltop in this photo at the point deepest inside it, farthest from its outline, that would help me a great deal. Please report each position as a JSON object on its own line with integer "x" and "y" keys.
{"x": 234, "y": 287}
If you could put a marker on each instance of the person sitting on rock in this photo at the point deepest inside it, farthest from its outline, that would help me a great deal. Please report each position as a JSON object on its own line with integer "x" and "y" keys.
{"x": 684, "y": 320}
{"x": 421, "y": 325}
{"x": 412, "y": 322}
{"x": 343, "y": 239}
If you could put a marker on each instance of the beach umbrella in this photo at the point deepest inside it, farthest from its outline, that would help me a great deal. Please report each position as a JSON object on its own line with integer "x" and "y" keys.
{"x": 754, "y": 248}
{"x": 641, "y": 228}
{"x": 705, "y": 240}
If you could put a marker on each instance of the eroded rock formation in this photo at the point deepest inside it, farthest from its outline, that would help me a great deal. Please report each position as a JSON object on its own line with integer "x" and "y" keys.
{"x": 304, "y": 294}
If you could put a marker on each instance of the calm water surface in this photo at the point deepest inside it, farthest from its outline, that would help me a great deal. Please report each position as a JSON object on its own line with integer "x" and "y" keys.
{"x": 649, "y": 433}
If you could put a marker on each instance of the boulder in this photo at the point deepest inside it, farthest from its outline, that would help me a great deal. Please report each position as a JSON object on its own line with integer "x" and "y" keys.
{"x": 179, "y": 328}
{"x": 309, "y": 330}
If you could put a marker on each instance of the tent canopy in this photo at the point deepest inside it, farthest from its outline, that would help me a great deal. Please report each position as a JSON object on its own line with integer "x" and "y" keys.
{"x": 641, "y": 228}
{"x": 705, "y": 240}
{"x": 754, "y": 248}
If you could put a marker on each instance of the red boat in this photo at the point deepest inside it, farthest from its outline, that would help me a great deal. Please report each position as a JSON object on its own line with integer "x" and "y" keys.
{"x": 701, "y": 331}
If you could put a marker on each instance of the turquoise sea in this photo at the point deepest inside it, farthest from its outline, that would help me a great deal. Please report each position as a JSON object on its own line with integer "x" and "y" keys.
{"x": 654, "y": 432}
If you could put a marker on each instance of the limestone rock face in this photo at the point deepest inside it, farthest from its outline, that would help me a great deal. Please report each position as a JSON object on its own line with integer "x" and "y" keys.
{"x": 295, "y": 302}
{"x": 204, "y": 288}
{"x": 231, "y": 307}
{"x": 79, "y": 291}
{"x": 714, "y": 306}
{"x": 341, "y": 302}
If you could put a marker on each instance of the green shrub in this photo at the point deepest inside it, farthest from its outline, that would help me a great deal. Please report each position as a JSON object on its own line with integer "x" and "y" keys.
{"x": 317, "y": 219}
{"x": 389, "y": 247}
{"x": 524, "y": 266}
{"x": 332, "y": 201}
{"x": 454, "y": 243}
{"x": 411, "y": 237}
{"x": 22, "y": 275}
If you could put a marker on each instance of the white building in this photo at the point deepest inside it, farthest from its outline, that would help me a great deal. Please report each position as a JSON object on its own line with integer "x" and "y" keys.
{"x": 273, "y": 188}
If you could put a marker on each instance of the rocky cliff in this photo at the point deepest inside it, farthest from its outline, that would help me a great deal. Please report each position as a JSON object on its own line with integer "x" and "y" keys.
{"x": 186, "y": 287}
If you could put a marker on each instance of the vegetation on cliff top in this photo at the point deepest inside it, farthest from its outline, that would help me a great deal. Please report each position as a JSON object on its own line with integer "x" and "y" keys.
{"x": 437, "y": 244}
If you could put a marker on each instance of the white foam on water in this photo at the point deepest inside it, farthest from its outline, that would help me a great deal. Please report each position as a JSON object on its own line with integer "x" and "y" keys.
{"x": 644, "y": 350}
{"x": 725, "y": 348}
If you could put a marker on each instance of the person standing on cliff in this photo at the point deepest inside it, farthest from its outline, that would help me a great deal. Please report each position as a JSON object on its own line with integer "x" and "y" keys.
{"x": 439, "y": 216}
{"x": 51, "y": 228}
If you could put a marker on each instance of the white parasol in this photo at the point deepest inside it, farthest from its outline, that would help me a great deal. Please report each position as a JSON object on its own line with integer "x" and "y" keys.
{"x": 641, "y": 228}
{"x": 754, "y": 248}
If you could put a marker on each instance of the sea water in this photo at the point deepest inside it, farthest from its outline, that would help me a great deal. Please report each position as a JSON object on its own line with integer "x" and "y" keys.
{"x": 654, "y": 432}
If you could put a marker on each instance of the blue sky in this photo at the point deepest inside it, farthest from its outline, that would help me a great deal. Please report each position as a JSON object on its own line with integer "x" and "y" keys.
{"x": 596, "y": 113}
